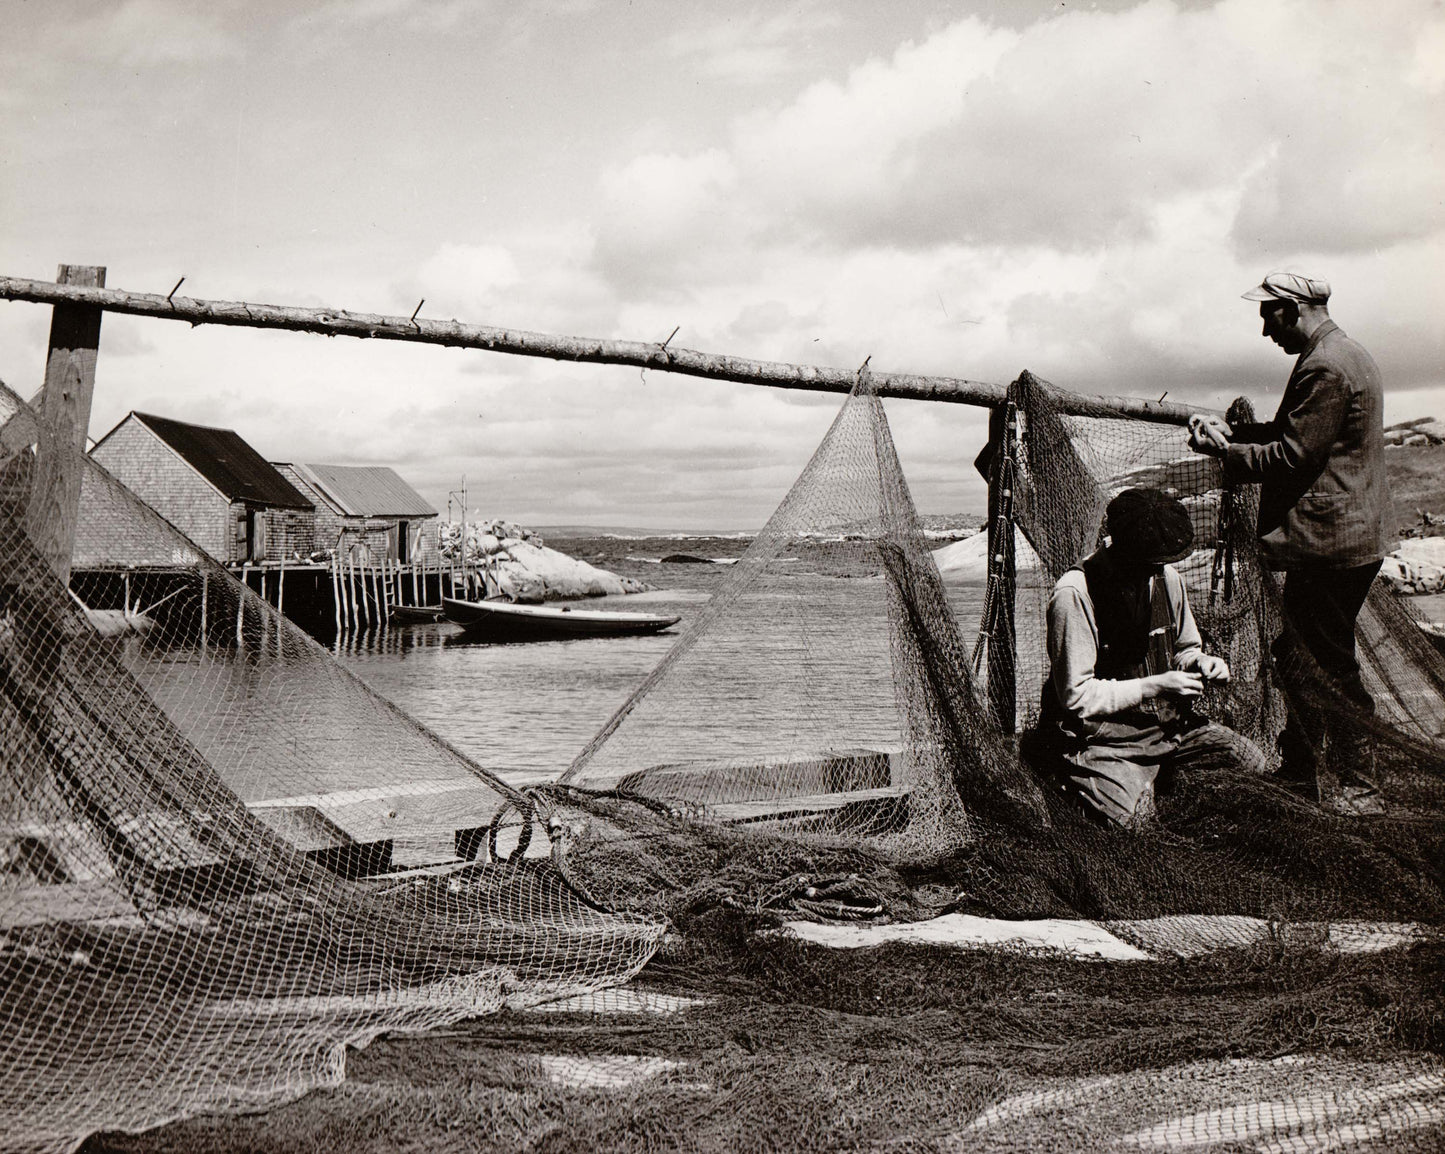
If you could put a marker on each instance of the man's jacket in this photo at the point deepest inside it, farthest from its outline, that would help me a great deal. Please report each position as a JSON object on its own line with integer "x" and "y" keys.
{"x": 1324, "y": 500}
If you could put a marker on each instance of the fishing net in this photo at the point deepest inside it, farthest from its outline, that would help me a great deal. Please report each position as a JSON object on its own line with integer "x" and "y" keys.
{"x": 192, "y": 797}
{"x": 825, "y": 744}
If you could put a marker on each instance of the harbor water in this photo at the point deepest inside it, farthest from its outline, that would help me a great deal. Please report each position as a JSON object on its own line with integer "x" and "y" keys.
{"x": 525, "y": 710}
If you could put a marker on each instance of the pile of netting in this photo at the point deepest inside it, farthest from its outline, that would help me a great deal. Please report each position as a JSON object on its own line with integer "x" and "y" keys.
{"x": 185, "y": 924}
{"x": 895, "y": 792}
{"x": 825, "y": 745}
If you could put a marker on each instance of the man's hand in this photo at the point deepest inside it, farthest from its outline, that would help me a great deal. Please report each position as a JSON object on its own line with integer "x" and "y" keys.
{"x": 1176, "y": 683}
{"x": 1212, "y": 668}
{"x": 1208, "y": 434}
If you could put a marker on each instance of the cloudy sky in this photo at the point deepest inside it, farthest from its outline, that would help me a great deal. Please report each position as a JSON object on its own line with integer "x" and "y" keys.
{"x": 945, "y": 186}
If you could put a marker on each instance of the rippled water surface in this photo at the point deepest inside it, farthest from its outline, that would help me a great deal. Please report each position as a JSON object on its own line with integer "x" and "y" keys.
{"x": 798, "y": 664}
{"x": 527, "y": 709}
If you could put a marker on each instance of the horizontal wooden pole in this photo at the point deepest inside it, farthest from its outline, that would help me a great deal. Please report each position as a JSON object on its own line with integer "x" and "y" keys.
{"x": 519, "y": 342}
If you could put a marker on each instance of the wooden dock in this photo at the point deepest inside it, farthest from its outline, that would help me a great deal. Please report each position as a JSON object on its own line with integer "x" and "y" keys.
{"x": 327, "y": 598}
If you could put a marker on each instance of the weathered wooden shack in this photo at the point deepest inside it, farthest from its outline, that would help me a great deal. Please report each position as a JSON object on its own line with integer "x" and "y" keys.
{"x": 367, "y": 509}
{"x": 211, "y": 485}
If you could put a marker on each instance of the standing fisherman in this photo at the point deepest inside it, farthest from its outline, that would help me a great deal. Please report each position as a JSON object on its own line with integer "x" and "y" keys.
{"x": 1324, "y": 512}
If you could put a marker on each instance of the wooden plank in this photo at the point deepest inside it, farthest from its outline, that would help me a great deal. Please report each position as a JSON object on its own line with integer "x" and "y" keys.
{"x": 776, "y": 809}
{"x": 742, "y": 779}
{"x": 661, "y": 357}
{"x": 64, "y": 419}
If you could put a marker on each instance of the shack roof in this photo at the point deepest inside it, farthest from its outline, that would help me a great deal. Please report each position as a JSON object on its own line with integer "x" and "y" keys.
{"x": 237, "y": 471}
{"x": 365, "y": 490}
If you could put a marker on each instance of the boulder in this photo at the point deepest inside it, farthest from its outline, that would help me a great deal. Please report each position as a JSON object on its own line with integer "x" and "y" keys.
{"x": 1417, "y": 566}
{"x": 529, "y": 572}
{"x": 518, "y": 566}
{"x": 967, "y": 560}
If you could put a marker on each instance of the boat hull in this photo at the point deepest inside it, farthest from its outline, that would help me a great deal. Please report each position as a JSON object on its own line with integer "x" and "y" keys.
{"x": 504, "y": 621}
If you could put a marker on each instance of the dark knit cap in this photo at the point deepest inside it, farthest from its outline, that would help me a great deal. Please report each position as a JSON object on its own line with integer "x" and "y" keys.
{"x": 1150, "y": 526}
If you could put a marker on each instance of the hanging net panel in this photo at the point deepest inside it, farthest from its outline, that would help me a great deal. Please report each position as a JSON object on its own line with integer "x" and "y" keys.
{"x": 887, "y": 788}
{"x": 833, "y": 743}
{"x": 192, "y": 794}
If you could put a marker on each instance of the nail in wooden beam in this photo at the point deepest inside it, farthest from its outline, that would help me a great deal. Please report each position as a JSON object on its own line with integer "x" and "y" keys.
{"x": 64, "y": 419}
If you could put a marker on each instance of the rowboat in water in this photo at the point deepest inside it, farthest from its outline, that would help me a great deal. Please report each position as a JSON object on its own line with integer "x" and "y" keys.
{"x": 503, "y": 620}
{"x": 416, "y": 614}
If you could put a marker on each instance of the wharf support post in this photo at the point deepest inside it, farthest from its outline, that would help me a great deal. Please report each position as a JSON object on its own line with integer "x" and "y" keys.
{"x": 996, "y": 646}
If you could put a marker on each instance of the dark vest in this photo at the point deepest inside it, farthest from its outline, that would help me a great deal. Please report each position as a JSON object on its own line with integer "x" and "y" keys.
{"x": 1136, "y": 627}
{"x": 1136, "y": 639}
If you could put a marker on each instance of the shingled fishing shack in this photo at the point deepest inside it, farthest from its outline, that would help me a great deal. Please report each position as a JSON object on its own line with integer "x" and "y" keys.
{"x": 366, "y": 506}
{"x": 212, "y": 485}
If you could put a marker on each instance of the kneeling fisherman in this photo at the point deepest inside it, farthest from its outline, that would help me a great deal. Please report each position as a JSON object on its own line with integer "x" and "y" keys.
{"x": 1126, "y": 663}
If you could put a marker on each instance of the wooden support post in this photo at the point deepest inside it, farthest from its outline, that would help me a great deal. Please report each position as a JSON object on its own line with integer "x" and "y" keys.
{"x": 997, "y": 638}
{"x": 241, "y": 609}
{"x": 280, "y": 605}
{"x": 64, "y": 419}
{"x": 346, "y": 590}
{"x": 336, "y": 590}
{"x": 205, "y": 598}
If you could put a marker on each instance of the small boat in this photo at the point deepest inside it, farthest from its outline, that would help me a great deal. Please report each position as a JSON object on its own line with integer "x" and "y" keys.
{"x": 506, "y": 621}
{"x": 416, "y": 614}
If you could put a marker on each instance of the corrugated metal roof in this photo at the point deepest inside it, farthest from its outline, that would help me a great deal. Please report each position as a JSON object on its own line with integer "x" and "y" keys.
{"x": 366, "y": 490}
{"x": 227, "y": 462}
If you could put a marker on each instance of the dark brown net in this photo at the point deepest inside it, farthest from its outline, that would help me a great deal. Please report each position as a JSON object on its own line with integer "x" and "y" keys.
{"x": 181, "y": 927}
{"x": 1252, "y": 969}
{"x": 1238, "y": 874}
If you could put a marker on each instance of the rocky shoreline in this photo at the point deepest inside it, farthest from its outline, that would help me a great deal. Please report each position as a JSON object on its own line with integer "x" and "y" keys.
{"x": 517, "y": 564}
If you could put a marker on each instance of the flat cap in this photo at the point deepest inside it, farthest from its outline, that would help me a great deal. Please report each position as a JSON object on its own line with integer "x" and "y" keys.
{"x": 1290, "y": 286}
{"x": 1150, "y": 526}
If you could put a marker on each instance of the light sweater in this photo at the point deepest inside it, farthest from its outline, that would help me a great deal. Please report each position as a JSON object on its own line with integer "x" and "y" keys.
{"x": 1073, "y": 638}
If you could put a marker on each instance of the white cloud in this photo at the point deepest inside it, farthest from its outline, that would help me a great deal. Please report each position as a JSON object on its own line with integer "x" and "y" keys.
{"x": 150, "y": 33}
{"x": 1087, "y": 195}
{"x": 357, "y": 15}
{"x": 749, "y": 47}
{"x": 1083, "y": 196}
{"x": 1070, "y": 132}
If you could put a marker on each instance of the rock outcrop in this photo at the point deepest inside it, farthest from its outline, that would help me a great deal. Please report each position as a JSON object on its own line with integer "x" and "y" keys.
{"x": 1416, "y": 566}
{"x": 1422, "y": 431}
{"x": 517, "y": 565}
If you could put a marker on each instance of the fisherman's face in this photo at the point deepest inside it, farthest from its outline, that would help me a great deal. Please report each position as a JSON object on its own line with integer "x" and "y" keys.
{"x": 1134, "y": 569}
{"x": 1281, "y": 325}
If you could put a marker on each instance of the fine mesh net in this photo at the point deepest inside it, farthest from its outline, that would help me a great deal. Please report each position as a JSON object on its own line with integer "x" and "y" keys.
{"x": 835, "y": 701}
{"x": 847, "y": 712}
{"x": 191, "y": 794}
{"x": 1237, "y": 873}
{"x": 825, "y": 741}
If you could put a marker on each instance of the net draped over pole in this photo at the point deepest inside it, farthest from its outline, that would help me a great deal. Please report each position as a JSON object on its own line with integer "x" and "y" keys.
{"x": 168, "y": 949}
{"x": 171, "y": 943}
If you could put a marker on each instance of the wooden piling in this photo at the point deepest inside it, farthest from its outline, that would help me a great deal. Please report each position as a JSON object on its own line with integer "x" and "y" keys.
{"x": 205, "y": 598}
{"x": 349, "y": 592}
{"x": 241, "y": 608}
{"x": 64, "y": 419}
{"x": 280, "y": 604}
